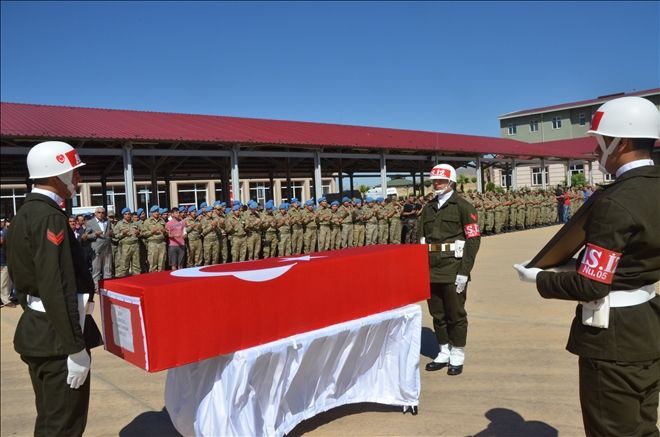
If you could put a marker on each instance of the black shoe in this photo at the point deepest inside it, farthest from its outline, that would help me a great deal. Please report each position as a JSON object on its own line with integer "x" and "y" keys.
{"x": 433, "y": 366}
{"x": 454, "y": 370}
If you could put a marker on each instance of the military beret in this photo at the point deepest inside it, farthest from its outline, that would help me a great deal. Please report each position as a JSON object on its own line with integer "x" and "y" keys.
{"x": 345, "y": 199}
{"x": 139, "y": 211}
{"x": 236, "y": 202}
{"x": 379, "y": 199}
{"x": 125, "y": 210}
{"x": 335, "y": 203}
{"x": 284, "y": 205}
{"x": 163, "y": 210}
{"x": 310, "y": 202}
{"x": 227, "y": 210}
{"x": 209, "y": 208}
{"x": 89, "y": 215}
{"x": 216, "y": 203}
{"x": 252, "y": 204}
{"x": 322, "y": 199}
{"x": 203, "y": 205}
{"x": 369, "y": 199}
{"x": 154, "y": 208}
{"x": 236, "y": 207}
{"x": 191, "y": 208}
{"x": 294, "y": 200}
{"x": 182, "y": 208}
{"x": 223, "y": 204}
{"x": 358, "y": 202}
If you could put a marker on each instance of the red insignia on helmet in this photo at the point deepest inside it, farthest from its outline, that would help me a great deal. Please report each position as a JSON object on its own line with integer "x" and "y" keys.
{"x": 73, "y": 157}
{"x": 472, "y": 230}
{"x": 598, "y": 116}
{"x": 473, "y": 216}
{"x": 56, "y": 239}
{"x": 60, "y": 158}
{"x": 599, "y": 264}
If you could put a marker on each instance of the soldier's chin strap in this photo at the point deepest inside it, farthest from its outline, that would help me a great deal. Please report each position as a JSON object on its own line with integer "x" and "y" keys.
{"x": 67, "y": 180}
{"x": 606, "y": 150}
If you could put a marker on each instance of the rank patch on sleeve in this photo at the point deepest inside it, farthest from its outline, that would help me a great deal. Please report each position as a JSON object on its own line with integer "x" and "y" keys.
{"x": 56, "y": 239}
{"x": 599, "y": 264}
{"x": 472, "y": 230}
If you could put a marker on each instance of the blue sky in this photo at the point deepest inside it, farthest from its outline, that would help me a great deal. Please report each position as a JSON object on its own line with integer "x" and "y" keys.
{"x": 445, "y": 66}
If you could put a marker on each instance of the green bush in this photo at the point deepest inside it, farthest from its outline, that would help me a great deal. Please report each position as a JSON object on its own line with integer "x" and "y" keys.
{"x": 578, "y": 180}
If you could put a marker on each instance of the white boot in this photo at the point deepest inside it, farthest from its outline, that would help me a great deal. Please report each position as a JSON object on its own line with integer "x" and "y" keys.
{"x": 443, "y": 355}
{"x": 457, "y": 356}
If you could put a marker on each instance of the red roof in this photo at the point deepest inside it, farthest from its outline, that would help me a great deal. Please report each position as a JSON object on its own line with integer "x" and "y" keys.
{"x": 581, "y": 103}
{"x": 63, "y": 122}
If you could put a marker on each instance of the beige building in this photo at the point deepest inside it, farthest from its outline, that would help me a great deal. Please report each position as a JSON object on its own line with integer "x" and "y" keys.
{"x": 552, "y": 123}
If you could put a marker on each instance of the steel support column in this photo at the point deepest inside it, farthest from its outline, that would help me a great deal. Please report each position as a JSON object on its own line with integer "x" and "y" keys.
{"x": 318, "y": 183}
{"x": 235, "y": 184}
{"x": 127, "y": 157}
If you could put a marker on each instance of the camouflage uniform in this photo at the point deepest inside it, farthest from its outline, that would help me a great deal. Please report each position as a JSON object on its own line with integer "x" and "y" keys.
{"x": 324, "y": 215}
{"x": 346, "y": 216}
{"x": 284, "y": 229}
{"x": 193, "y": 232}
{"x": 128, "y": 256}
{"x": 309, "y": 236}
{"x": 153, "y": 231}
{"x": 270, "y": 233}
{"x": 235, "y": 226}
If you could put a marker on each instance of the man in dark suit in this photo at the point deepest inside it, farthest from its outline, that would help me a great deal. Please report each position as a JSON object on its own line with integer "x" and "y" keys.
{"x": 55, "y": 289}
{"x": 99, "y": 234}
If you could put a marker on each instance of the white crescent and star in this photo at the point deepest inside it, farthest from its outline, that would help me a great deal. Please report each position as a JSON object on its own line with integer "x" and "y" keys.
{"x": 257, "y": 275}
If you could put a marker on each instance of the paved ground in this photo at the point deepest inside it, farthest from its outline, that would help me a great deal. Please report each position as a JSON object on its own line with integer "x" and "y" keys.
{"x": 518, "y": 379}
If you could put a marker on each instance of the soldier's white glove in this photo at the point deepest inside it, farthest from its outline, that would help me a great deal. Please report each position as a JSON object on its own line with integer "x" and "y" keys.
{"x": 527, "y": 274}
{"x": 78, "y": 365}
{"x": 461, "y": 282}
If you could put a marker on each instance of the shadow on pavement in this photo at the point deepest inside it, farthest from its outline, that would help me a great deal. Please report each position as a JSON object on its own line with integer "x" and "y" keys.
{"x": 321, "y": 419}
{"x": 151, "y": 423}
{"x": 508, "y": 423}
{"x": 429, "y": 346}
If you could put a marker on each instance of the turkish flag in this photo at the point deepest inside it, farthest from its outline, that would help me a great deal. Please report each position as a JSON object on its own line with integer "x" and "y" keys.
{"x": 168, "y": 319}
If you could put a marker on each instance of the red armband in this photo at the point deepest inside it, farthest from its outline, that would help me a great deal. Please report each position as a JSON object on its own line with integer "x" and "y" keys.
{"x": 599, "y": 264}
{"x": 472, "y": 230}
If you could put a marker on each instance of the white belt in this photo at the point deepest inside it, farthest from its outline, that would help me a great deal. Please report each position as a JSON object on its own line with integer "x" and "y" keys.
{"x": 597, "y": 313}
{"x": 628, "y": 298}
{"x": 84, "y": 307}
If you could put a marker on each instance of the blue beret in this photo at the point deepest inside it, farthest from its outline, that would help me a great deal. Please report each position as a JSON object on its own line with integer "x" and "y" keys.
{"x": 209, "y": 208}
{"x": 345, "y": 199}
{"x": 310, "y": 202}
{"x": 125, "y": 210}
{"x": 182, "y": 208}
{"x": 335, "y": 203}
{"x": 284, "y": 205}
{"x": 294, "y": 200}
{"x": 191, "y": 208}
{"x": 379, "y": 199}
{"x": 236, "y": 207}
{"x": 227, "y": 210}
{"x": 369, "y": 199}
{"x": 154, "y": 208}
{"x": 139, "y": 211}
{"x": 322, "y": 199}
{"x": 163, "y": 210}
{"x": 252, "y": 204}
{"x": 216, "y": 203}
{"x": 89, "y": 215}
{"x": 223, "y": 204}
{"x": 358, "y": 202}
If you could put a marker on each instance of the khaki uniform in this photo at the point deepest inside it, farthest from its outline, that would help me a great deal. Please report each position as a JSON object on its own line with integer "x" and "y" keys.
{"x": 383, "y": 224}
{"x": 284, "y": 229}
{"x": 324, "y": 215}
{"x": 235, "y": 226}
{"x": 128, "y": 254}
{"x": 153, "y": 232}
{"x": 194, "y": 234}
{"x": 358, "y": 226}
{"x": 210, "y": 227}
{"x": 346, "y": 215}
{"x": 270, "y": 231}
{"x": 371, "y": 227}
{"x": 395, "y": 223}
{"x": 297, "y": 230}
{"x": 311, "y": 229}
{"x": 253, "y": 230}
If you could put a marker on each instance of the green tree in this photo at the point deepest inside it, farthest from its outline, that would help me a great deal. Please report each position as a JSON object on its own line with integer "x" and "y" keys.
{"x": 363, "y": 189}
{"x": 578, "y": 180}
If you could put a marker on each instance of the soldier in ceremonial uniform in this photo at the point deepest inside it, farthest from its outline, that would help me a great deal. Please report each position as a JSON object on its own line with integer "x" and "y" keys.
{"x": 127, "y": 232}
{"x": 450, "y": 227}
{"x": 235, "y": 225}
{"x": 346, "y": 216}
{"x": 358, "y": 226}
{"x": 311, "y": 227}
{"x": 297, "y": 231}
{"x": 153, "y": 231}
{"x": 55, "y": 290}
{"x": 283, "y": 223}
{"x": 323, "y": 216}
{"x": 268, "y": 224}
{"x": 616, "y": 331}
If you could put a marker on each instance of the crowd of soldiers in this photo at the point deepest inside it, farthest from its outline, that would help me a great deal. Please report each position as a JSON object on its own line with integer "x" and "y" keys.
{"x": 216, "y": 233}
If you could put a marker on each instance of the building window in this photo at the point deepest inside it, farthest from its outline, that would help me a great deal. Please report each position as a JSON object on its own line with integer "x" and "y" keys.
{"x": 11, "y": 200}
{"x": 146, "y": 199}
{"x": 325, "y": 186}
{"x": 608, "y": 177}
{"x": 259, "y": 191}
{"x": 556, "y": 122}
{"x": 582, "y": 119}
{"x": 576, "y": 169}
{"x": 512, "y": 129}
{"x": 192, "y": 194}
{"x": 296, "y": 188}
{"x": 538, "y": 176}
{"x": 115, "y": 197}
{"x": 505, "y": 178}
{"x": 534, "y": 126}
{"x": 218, "y": 191}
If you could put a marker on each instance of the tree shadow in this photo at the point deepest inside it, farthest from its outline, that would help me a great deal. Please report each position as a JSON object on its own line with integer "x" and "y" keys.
{"x": 321, "y": 419}
{"x": 429, "y": 344}
{"x": 508, "y": 423}
{"x": 151, "y": 423}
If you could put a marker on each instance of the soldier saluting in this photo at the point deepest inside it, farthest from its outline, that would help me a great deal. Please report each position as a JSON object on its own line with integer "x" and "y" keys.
{"x": 616, "y": 331}
{"x": 53, "y": 285}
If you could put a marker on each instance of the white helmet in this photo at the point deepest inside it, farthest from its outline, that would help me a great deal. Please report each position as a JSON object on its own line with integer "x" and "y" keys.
{"x": 443, "y": 171}
{"x": 625, "y": 117}
{"x": 52, "y": 158}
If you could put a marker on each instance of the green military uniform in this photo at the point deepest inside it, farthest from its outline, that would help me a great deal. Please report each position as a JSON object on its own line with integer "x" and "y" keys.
{"x": 383, "y": 224}
{"x": 193, "y": 232}
{"x": 284, "y": 231}
{"x": 270, "y": 233}
{"x": 619, "y": 365}
{"x": 235, "y": 226}
{"x": 358, "y": 226}
{"x": 153, "y": 231}
{"x": 335, "y": 229}
{"x": 346, "y": 215}
{"x": 311, "y": 227}
{"x": 253, "y": 230}
{"x": 455, "y": 220}
{"x": 128, "y": 258}
{"x": 371, "y": 224}
{"x": 210, "y": 225}
{"x": 395, "y": 222}
{"x": 46, "y": 262}
{"x": 297, "y": 230}
{"x": 324, "y": 214}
